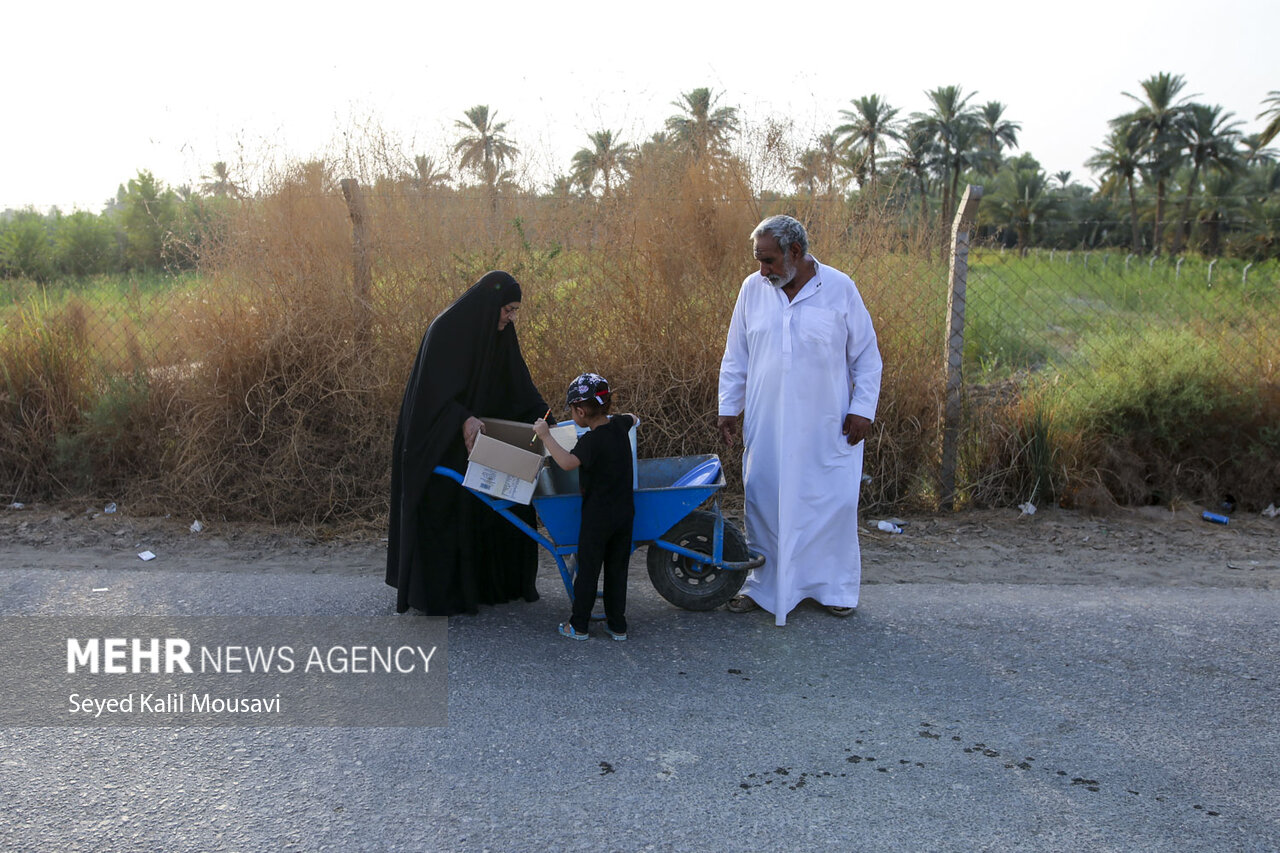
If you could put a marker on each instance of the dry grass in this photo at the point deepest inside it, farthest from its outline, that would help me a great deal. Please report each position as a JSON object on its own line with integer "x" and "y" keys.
{"x": 43, "y": 362}
{"x": 278, "y": 392}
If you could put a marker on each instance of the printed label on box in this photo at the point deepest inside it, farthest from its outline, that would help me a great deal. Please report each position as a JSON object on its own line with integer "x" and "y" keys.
{"x": 498, "y": 484}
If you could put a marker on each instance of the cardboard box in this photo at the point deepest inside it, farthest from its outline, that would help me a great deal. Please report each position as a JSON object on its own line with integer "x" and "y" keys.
{"x": 506, "y": 458}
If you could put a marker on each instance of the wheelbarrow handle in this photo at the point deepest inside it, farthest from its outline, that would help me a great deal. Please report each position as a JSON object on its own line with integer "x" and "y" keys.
{"x": 503, "y": 508}
{"x": 444, "y": 471}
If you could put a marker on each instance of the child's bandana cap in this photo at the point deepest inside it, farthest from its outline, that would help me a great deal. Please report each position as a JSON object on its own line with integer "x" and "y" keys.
{"x": 588, "y": 386}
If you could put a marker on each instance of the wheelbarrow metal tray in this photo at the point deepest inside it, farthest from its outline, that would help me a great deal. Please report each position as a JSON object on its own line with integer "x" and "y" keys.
{"x": 659, "y": 504}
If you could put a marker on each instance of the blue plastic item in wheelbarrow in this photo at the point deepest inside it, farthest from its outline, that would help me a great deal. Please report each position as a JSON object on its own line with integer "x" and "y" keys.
{"x": 704, "y": 474}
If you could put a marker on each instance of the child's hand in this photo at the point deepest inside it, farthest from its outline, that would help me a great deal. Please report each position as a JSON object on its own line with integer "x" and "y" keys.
{"x": 541, "y": 429}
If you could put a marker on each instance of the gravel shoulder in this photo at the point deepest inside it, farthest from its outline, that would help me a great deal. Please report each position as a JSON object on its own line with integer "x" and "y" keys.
{"x": 1143, "y": 547}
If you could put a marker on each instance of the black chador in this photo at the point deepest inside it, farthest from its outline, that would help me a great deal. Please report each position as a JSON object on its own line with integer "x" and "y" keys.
{"x": 446, "y": 551}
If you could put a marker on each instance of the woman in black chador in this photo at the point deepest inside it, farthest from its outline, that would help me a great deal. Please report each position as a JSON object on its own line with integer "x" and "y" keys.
{"x": 446, "y": 551}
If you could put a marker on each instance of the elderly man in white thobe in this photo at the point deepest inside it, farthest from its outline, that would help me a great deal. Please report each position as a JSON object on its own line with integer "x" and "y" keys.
{"x": 801, "y": 361}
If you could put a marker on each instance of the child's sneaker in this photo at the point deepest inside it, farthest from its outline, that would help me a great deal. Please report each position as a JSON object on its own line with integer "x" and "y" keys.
{"x": 615, "y": 634}
{"x": 566, "y": 630}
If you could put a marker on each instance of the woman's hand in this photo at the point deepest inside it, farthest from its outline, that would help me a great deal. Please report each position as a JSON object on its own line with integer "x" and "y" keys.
{"x": 472, "y": 427}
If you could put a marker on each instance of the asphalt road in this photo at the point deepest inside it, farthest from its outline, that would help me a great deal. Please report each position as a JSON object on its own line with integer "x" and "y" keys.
{"x": 939, "y": 717}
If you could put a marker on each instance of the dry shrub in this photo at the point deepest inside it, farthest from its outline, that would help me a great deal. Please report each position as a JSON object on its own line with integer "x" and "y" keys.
{"x": 903, "y": 452}
{"x": 285, "y": 417}
{"x": 903, "y": 289}
{"x": 1175, "y": 421}
{"x": 78, "y": 414}
{"x": 1160, "y": 420}
{"x": 1016, "y": 448}
{"x": 48, "y": 381}
{"x": 117, "y": 447}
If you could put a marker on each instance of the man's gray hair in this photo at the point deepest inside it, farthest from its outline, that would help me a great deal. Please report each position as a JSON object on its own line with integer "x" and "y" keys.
{"x": 786, "y": 230}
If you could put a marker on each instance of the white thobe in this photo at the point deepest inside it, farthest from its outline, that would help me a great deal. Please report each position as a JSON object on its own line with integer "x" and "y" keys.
{"x": 797, "y": 368}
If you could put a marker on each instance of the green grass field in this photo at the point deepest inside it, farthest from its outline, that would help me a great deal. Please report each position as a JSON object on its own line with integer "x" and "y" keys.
{"x": 125, "y": 322}
{"x": 1026, "y": 313}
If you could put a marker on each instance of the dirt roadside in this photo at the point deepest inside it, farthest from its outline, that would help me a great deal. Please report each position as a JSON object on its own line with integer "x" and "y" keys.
{"x": 1145, "y": 547}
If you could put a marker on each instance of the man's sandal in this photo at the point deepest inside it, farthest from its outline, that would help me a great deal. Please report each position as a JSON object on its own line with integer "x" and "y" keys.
{"x": 841, "y": 611}
{"x": 741, "y": 604}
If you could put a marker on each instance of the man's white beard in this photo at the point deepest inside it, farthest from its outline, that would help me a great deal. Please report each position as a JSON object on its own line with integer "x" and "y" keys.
{"x": 783, "y": 280}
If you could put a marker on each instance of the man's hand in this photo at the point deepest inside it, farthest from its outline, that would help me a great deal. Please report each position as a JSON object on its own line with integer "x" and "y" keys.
{"x": 727, "y": 425}
{"x": 855, "y": 428}
{"x": 472, "y": 427}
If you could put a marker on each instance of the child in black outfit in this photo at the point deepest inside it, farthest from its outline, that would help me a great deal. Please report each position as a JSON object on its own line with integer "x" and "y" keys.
{"x": 608, "y": 506}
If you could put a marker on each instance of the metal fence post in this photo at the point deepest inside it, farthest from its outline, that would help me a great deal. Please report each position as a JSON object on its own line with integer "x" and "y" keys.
{"x": 965, "y": 216}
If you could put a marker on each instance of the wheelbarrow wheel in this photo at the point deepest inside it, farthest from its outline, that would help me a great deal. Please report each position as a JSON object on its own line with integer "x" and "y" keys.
{"x": 691, "y": 585}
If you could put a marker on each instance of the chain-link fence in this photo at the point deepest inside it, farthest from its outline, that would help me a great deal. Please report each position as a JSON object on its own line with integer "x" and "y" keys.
{"x": 1068, "y": 309}
{"x": 266, "y": 383}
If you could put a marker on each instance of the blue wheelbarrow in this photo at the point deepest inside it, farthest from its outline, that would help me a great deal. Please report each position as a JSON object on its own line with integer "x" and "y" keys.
{"x": 697, "y": 559}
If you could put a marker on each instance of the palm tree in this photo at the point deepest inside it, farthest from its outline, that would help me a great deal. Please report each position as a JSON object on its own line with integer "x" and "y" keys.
{"x": 1020, "y": 196}
{"x": 485, "y": 149}
{"x": 1256, "y": 151}
{"x": 830, "y": 149}
{"x": 966, "y": 153}
{"x": 605, "y": 159}
{"x": 562, "y": 186}
{"x": 653, "y": 156}
{"x": 659, "y": 144}
{"x": 1264, "y": 180}
{"x": 1261, "y": 214}
{"x": 1210, "y": 143}
{"x": 998, "y": 133}
{"x": 1119, "y": 162}
{"x": 1063, "y": 177}
{"x": 1273, "y": 125}
{"x": 427, "y": 175}
{"x": 954, "y": 128}
{"x": 1218, "y": 204}
{"x": 220, "y": 184}
{"x": 702, "y": 129}
{"x": 809, "y": 172}
{"x": 1159, "y": 118}
{"x": 917, "y": 157}
{"x": 868, "y": 128}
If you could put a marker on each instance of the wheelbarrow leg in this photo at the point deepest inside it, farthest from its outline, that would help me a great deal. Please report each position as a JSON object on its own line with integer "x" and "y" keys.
{"x": 717, "y": 544}
{"x": 568, "y": 566}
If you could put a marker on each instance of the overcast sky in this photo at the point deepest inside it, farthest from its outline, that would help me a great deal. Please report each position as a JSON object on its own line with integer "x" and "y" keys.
{"x": 96, "y": 91}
